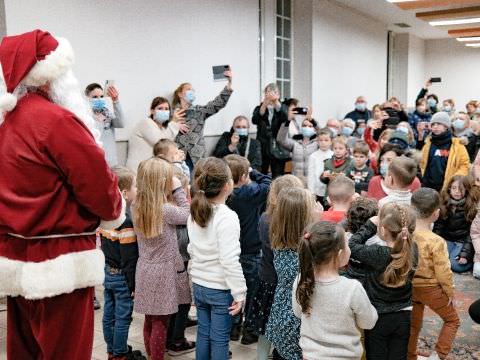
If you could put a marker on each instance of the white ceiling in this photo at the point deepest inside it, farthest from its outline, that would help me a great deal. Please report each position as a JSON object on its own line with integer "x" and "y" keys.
{"x": 390, "y": 14}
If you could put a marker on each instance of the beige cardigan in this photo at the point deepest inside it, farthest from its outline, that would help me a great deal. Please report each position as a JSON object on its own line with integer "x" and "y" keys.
{"x": 145, "y": 135}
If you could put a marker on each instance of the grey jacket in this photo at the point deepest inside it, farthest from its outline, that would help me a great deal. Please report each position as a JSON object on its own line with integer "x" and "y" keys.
{"x": 107, "y": 133}
{"x": 193, "y": 142}
{"x": 300, "y": 151}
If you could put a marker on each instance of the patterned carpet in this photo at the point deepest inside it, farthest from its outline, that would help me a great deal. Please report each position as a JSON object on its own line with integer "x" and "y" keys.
{"x": 467, "y": 342}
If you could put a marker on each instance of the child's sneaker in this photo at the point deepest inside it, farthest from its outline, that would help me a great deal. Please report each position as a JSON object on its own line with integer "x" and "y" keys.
{"x": 184, "y": 347}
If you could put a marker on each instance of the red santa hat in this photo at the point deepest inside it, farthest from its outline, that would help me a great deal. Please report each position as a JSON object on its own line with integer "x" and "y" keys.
{"x": 33, "y": 59}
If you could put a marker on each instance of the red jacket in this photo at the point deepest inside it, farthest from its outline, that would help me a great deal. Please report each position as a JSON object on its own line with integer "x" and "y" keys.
{"x": 54, "y": 180}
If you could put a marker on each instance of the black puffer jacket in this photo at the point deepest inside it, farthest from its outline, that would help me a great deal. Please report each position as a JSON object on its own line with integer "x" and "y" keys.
{"x": 456, "y": 228}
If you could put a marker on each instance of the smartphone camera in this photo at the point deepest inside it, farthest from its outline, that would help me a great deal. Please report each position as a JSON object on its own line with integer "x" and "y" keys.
{"x": 300, "y": 110}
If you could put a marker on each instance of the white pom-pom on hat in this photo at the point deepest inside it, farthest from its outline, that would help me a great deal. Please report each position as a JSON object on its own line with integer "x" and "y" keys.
{"x": 8, "y": 102}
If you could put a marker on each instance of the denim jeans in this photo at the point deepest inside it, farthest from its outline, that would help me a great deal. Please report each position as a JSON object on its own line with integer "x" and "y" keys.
{"x": 250, "y": 265}
{"x": 117, "y": 313}
{"x": 454, "y": 249}
{"x": 214, "y": 322}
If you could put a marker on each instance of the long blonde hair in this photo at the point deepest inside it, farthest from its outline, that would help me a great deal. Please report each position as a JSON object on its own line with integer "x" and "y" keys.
{"x": 399, "y": 221}
{"x": 293, "y": 212}
{"x": 281, "y": 182}
{"x": 154, "y": 189}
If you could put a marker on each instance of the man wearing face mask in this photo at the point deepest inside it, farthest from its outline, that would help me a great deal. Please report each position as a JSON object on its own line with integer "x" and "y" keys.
{"x": 432, "y": 99}
{"x": 237, "y": 141}
{"x": 462, "y": 130}
{"x": 360, "y": 112}
{"x": 268, "y": 116}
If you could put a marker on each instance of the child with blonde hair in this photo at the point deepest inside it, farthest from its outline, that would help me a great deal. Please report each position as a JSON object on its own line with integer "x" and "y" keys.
{"x": 264, "y": 293}
{"x": 161, "y": 279}
{"x": 339, "y": 163}
{"x": 332, "y": 309}
{"x": 295, "y": 210}
{"x": 389, "y": 272}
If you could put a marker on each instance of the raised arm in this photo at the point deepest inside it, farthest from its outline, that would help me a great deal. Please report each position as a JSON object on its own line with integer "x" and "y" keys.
{"x": 177, "y": 214}
{"x": 217, "y": 104}
{"x": 118, "y": 120}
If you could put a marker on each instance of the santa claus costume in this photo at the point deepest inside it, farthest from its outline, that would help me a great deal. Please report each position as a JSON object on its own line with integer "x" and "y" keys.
{"x": 55, "y": 188}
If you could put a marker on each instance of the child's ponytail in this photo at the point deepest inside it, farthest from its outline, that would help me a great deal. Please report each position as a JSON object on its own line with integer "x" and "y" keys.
{"x": 306, "y": 283}
{"x": 320, "y": 245}
{"x": 399, "y": 221}
{"x": 209, "y": 181}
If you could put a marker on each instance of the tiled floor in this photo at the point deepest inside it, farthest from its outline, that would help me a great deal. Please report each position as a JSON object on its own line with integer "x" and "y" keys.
{"x": 467, "y": 288}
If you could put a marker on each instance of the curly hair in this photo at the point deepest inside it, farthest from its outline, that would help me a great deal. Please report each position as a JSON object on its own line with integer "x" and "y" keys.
{"x": 359, "y": 212}
{"x": 471, "y": 197}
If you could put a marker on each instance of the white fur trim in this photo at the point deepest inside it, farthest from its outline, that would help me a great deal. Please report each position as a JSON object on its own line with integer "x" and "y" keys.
{"x": 54, "y": 65}
{"x": 8, "y": 102}
{"x": 113, "y": 224}
{"x": 49, "y": 278}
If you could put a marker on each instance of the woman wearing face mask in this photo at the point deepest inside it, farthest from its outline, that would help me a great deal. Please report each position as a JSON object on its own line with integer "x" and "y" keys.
{"x": 377, "y": 188}
{"x": 106, "y": 121}
{"x": 432, "y": 99}
{"x": 160, "y": 124}
{"x": 237, "y": 141}
{"x": 192, "y": 141}
{"x": 449, "y": 108}
{"x": 473, "y": 109}
{"x": 301, "y": 146}
{"x": 419, "y": 119}
{"x": 348, "y": 129}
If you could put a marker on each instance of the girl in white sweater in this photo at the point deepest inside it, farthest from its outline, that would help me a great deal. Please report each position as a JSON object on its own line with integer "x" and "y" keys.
{"x": 332, "y": 308}
{"x": 218, "y": 283}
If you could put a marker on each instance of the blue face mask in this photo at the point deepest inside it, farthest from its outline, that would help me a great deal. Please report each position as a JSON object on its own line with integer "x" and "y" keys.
{"x": 447, "y": 108}
{"x": 347, "y": 131}
{"x": 161, "y": 116}
{"x": 334, "y": 131}
{"x": 360, "y": 106}
{"x": 383, "y": 169}
{"x": 98, "y": 104}
{"x": 241, "y": 131}
{"x": 360, "y": 131}
{"x": 402, "y": 129}
{"x": 190, "y": 96}
{"x": 308, "y": 132}
{"x": 431, "y": 102}
{"x": 459, "y": 124}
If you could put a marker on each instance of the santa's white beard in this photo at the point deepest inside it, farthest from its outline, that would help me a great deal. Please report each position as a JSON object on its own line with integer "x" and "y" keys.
{"x": 65, "y": 91}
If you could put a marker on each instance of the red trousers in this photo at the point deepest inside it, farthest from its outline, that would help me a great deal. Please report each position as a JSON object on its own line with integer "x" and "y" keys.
{"x": 60, "y": 327}
{"x": 155, "y": 335}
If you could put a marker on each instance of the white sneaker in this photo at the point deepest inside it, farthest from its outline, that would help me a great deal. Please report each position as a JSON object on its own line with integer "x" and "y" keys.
{"x": 433, "y": 356}
{"x": 476, "y": 270}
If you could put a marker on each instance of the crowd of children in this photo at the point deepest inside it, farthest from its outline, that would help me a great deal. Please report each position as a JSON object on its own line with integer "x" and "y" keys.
{"x": 336, "y": 261}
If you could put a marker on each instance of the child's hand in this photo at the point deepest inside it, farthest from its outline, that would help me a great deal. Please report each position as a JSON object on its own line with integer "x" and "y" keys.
{"x": 326, "y": 174}
{"x": 462, "y": 261}
{"x": 375, "y": 220}
{"x": 235, "y": 308}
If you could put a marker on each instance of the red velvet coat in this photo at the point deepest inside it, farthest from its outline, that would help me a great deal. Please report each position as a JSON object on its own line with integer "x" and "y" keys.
{"x": 55, "y": 186}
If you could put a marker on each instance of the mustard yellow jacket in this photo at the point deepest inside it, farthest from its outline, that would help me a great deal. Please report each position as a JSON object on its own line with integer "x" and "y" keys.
{"x": 458, "y": 162}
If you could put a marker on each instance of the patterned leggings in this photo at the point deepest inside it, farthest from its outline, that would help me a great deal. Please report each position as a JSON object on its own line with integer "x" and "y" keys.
{"x": 155, "y": 335}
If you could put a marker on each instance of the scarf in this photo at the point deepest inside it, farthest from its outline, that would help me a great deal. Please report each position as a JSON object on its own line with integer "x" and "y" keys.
{"x": 338, "y": 162}
{"x": 442, "y": 139}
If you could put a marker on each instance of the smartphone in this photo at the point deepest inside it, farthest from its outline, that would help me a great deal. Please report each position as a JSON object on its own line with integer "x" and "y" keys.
{"x": 436, "y": 79}
{"x": 108, "y": 83}
{"x": 300, "y": 110}
{"x": 218, "y": 71}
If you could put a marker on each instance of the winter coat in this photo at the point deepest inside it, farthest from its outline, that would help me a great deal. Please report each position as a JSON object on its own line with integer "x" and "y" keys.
{"x": 254, "y": 151}
{"x": 268, "y": 129}
{"x": 456, "y": 228}
{"x": 458, "y": 161}
{"x": 300, "y": 151}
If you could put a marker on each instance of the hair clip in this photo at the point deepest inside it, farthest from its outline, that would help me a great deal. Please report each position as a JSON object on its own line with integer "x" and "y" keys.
{"x": 307, "y": 236}
{"x": 201, "y": 191}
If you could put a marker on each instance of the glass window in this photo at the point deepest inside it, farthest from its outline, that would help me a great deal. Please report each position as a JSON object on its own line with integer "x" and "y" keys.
{"x": 283, "y": 41}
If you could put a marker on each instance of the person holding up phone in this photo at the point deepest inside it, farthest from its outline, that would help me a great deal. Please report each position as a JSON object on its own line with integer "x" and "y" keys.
{"x": 107, "y": 121}
{"x": 192, "y": 140}
{"x": 432, "y": 99}
{"x": 269, "y": 116}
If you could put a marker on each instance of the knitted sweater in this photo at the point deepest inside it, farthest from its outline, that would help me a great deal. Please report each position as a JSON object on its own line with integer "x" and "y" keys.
{"x": 340, "y": 308}
{"x": 434, "y": 264}
{"x": 193, "y": 142}
{"x": 215, "y": 252}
